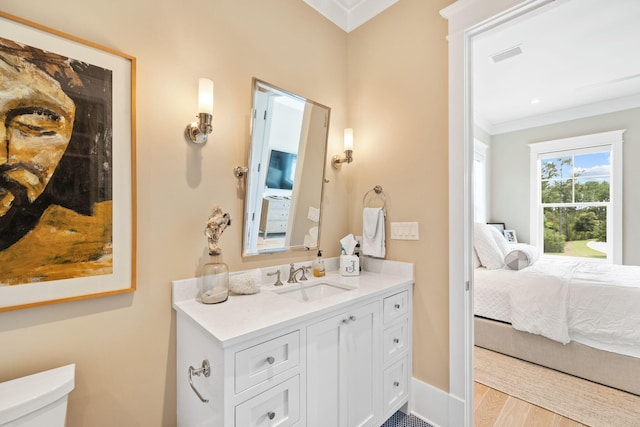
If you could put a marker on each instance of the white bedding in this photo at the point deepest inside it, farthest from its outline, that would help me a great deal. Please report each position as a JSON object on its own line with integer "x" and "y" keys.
{"x": 593, "y": 303}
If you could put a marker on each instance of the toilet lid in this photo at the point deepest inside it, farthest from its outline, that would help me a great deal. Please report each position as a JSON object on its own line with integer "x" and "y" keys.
{"x": 24, "y": 395}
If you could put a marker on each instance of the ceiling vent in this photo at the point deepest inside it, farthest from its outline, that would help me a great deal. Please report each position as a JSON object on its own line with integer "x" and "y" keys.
{"x": 506, "y": 54}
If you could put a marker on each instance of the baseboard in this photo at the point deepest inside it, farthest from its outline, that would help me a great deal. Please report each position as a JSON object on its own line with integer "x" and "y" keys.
{"x": 437, "y": 407}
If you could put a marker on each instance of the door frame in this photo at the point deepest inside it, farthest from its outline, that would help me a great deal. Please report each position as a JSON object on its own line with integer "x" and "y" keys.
{"x": 466, "y": 20}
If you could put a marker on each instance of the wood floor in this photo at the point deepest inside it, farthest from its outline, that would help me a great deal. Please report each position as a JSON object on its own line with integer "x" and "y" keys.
{"x": 493, "y": 408}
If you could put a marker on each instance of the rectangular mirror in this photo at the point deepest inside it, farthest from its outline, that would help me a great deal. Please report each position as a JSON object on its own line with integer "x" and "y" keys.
{"x": 287, "y": 157}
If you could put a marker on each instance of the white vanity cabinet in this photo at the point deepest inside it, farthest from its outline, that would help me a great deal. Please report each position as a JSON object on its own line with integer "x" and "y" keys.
{"x": 256, "y": 383}
{"x": 343, "y": 368}
{"x": 343, "y": 361}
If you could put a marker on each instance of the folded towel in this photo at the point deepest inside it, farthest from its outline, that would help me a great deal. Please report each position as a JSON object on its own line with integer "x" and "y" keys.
{"x": 373, "y": 232}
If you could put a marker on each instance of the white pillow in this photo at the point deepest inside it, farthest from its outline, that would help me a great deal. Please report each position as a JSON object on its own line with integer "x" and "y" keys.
{"x": 490, "y": 254}
{"x": 521, "y": 256}
{"x": 501, "y": 241}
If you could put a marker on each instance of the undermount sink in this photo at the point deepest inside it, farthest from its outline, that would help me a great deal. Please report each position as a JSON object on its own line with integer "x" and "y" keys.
{"x": 311, "y": 292}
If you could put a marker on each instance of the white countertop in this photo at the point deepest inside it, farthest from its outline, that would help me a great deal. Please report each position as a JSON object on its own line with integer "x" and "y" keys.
{"x": 245, "y": 316}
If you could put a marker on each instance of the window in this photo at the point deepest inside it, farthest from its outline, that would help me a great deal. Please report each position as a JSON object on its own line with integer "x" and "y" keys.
{"x": 576, "y": 206}
{"x": 480, "y": 200}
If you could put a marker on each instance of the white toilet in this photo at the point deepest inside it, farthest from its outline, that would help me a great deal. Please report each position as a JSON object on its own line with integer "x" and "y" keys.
{"x": 38, "y": 400}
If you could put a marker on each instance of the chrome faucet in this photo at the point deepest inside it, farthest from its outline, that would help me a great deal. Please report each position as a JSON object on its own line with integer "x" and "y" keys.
{"x": 293, "y": 272}
{"x": 273, "y": 273}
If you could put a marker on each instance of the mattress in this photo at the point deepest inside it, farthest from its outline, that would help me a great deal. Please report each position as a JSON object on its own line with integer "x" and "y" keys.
{"x": 491, "y": 294}
{"x": 565, "y": 299}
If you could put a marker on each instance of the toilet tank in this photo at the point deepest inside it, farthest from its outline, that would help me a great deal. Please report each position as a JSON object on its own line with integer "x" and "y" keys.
{"x": 37, "y": 400}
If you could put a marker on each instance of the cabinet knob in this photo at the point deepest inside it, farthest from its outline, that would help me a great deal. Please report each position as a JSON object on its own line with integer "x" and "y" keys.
{"x": 396, "y": 340}
{"x": 397, "y": 306}
{"x": 345, "y": 321}
{"x": 270, "y": 360}
{"x": 396, "y": 383}
{"x": 271, "y": 415}
{"x": 352, "y": 318}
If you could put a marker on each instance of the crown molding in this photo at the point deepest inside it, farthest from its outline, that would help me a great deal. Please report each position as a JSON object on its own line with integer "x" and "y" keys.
{"x": 350, "y": 14}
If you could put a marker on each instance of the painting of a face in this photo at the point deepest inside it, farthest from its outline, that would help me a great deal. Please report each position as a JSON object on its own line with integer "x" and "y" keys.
{"x": 67, "y": 124}
{"x": 36, "y": 123}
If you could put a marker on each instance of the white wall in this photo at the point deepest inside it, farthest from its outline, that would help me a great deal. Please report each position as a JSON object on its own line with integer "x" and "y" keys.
{"x": 510, "y": 172}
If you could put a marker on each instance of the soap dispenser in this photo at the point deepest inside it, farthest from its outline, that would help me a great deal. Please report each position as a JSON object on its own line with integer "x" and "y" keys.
{"x": 318, "y": 266}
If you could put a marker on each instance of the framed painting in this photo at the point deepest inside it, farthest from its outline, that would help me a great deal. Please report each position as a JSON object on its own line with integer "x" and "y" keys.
{"x": 498, "y": 225}
{"x": 67, "y": 167}
{"x": 511, "y": 236}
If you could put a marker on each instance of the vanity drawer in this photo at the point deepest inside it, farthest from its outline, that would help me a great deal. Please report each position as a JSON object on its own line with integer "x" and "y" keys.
{"x": 279, "y": 204}
{"x": 395, "y": 306}
{"x": 279, "y": 406}
{"x": 278, "y": 213}
{"x": 395, "y": 340}
{"x": 263, "y": 361}
{"x": 395, "y": 385}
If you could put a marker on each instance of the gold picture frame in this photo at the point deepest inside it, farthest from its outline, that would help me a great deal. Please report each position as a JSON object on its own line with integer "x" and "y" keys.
{"x": 67, "y": 167}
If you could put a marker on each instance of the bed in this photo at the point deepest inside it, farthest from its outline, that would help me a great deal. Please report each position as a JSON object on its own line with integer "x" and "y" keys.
{"x": 576, "y": 316}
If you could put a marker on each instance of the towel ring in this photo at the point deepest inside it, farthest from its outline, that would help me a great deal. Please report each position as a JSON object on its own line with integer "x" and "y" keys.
{"x": 378, "y": 191}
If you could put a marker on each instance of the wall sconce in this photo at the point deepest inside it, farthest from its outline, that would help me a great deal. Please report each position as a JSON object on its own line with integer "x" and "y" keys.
{"x": 197, "y": 132}
{"x": 337, "y": 161}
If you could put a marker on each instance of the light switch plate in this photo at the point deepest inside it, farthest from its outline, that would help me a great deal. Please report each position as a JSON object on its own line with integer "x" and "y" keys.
{"x": 405, "y": 231}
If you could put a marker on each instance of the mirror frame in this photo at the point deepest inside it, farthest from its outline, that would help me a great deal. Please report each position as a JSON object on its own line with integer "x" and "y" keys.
{"x": 250, "y": 174}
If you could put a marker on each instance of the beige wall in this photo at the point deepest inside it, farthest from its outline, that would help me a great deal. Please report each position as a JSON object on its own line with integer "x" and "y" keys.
{"x": 395, "y": 97}
{"x": 398, "y": 109}
{"x": 124, "y": 346}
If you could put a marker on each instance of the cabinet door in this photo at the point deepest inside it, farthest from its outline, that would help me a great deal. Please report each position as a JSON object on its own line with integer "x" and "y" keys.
{"x": 363, "y": 375}
{"x": 325, "y": 369}
{"x": 344, "y": 377}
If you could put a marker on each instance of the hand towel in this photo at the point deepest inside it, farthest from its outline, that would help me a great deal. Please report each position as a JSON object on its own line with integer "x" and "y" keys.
{"x": 373, "y": 232}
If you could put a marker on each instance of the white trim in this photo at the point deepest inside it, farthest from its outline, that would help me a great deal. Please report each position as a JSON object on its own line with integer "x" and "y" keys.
{"x": 466, "y": 18}
{"x": 350, "y": 15}
{"x": 612, "y": 140}
{"x": 435, "y": 406}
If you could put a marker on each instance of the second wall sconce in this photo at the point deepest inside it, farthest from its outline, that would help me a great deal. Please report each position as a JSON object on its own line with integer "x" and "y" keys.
{"x": 337, "y": 161}
{"x": 198, "y": 132}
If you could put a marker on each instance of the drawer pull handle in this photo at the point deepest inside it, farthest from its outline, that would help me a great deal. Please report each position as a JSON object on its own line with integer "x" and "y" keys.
{"x": 271, "y": 415}
{"x": 270, "y": 360}
{"x": 204, "y": 370}
{"x": 397, "y": 306}
{"x": 396, "y": 340}
{"x": 351, "y": 318}
{"x": 396, "y": 383}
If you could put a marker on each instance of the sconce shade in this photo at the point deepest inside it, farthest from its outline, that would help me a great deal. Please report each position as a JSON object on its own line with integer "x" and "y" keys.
{"x": 205, "y": 96}
{"x": 348, "y": 139}
{"x": 198, "y": 132}
{"x": 337, "y": 161}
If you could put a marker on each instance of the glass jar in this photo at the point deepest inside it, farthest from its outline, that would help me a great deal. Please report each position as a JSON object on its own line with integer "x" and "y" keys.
{"x": 214, "y": 282}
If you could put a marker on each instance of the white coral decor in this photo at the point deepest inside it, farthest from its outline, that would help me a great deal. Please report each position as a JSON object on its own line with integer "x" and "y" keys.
{"x": 217, "y": 223}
